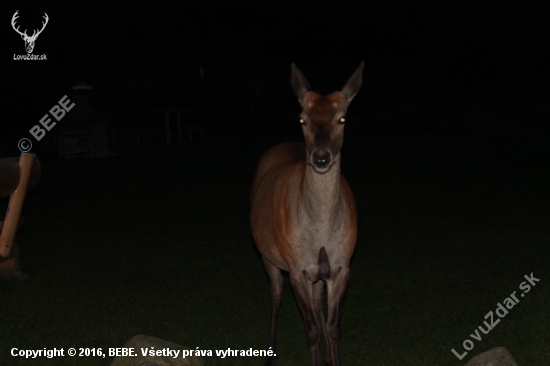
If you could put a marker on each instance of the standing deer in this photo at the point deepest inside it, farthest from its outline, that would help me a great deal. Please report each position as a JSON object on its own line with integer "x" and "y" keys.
{"x": 304, "y": 219}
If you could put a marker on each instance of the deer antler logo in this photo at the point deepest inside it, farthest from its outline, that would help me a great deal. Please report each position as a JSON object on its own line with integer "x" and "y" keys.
{"x": 29, "y": 41}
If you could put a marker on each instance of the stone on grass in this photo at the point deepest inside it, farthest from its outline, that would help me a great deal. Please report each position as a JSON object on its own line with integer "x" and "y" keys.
{"x": 143, "y": 341}
{"x": 498, "y": 356}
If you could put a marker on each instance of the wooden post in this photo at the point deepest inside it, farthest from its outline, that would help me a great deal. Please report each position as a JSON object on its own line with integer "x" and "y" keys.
{"x": 15, "y": 205}
{"x": 178, "y": 113}
{"x": 167, "y": 114}
{"x": 10, "y": 175}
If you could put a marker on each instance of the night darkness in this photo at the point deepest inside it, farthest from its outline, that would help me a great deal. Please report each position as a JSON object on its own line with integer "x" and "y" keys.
{"x": 424, "y": 60}
{"x": 447, "y": 151}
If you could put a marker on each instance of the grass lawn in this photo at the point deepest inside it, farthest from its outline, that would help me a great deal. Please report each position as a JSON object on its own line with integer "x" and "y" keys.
{"x": 158, "y": 243}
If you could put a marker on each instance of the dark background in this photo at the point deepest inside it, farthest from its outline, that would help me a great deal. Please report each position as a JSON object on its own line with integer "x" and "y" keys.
{"x": 430, "y": 65}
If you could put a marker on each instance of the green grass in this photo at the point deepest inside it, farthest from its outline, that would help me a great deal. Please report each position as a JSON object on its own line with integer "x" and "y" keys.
{"x": 158, "y": 243}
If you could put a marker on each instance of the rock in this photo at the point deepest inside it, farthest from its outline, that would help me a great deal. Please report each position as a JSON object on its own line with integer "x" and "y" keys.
{"x": 143, "y": 341}
{"x": 498, "y": 356}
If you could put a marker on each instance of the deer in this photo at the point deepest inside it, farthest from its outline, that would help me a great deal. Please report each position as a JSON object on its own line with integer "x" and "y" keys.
{"x": 29, "y": 41}
{"x": 304, "y": 218}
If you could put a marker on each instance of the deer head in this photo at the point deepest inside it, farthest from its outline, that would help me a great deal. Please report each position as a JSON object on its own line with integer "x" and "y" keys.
{"x": 323, "y": 118}
{"x": 29, "y": 41}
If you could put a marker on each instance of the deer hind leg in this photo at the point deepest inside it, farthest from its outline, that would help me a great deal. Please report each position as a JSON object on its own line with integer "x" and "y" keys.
{"x": 336, "y": 289}
{"x": 303, "y": 289}
{"x": 276, "y": 289}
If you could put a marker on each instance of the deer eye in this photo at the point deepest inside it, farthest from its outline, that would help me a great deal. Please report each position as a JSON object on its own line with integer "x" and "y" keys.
{"x": 302, "y": 121}
{"x": 342, "y": 120}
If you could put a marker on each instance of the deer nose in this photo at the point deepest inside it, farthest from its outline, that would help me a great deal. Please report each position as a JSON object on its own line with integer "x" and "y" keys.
{"x": 321, "y": 158}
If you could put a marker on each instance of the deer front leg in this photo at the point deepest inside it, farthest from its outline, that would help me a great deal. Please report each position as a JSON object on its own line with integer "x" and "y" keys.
{"x": 303, "y": 289}
{"x": 336, "y": 290}
{"x": 318, "y": 298}
{"x": 275, "y": 291}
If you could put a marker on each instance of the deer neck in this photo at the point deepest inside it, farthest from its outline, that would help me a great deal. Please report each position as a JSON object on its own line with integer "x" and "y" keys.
{"x": 321, "y": 194}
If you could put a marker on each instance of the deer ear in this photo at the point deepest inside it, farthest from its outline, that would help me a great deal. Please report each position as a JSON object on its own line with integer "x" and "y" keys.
{"x": 354, "y": 83}
{"x": 299, "y": 83}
